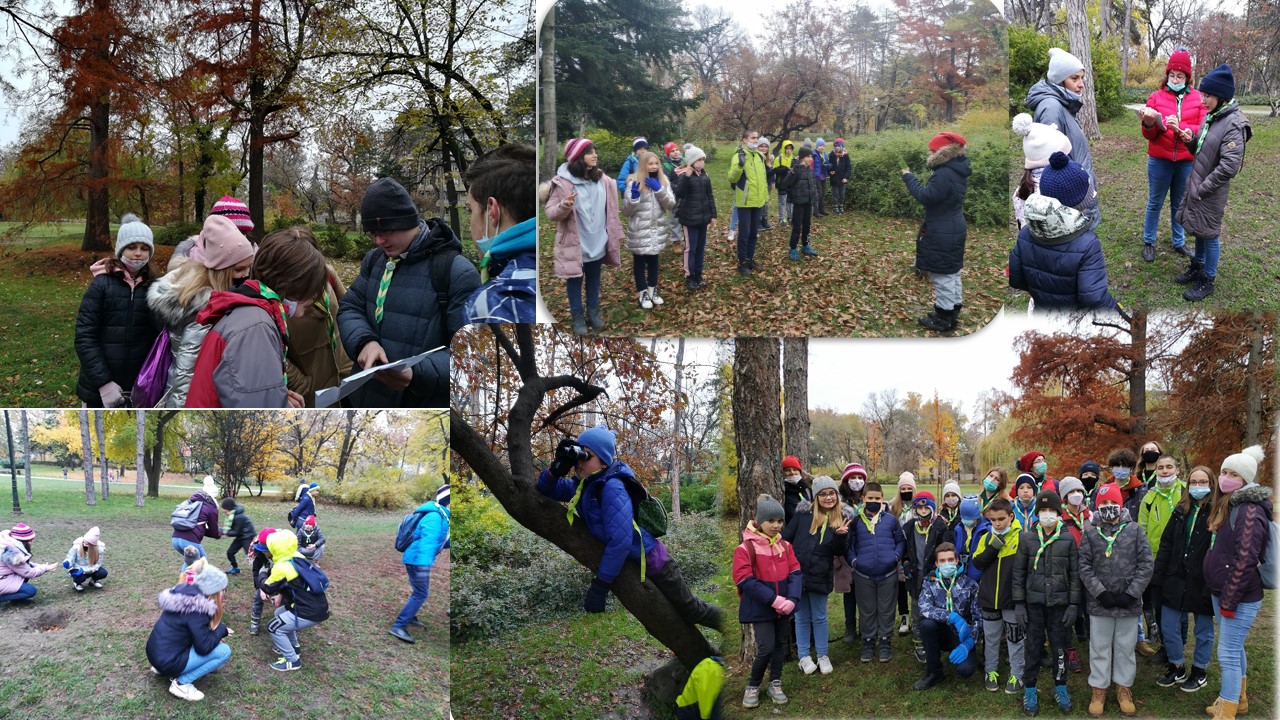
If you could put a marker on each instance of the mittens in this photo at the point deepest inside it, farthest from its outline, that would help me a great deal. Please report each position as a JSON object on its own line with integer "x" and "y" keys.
{"x": 112, "y": 395}
{"x": 596, "y": 595}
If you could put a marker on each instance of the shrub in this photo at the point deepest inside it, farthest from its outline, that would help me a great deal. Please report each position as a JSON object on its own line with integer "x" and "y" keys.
{"x": 335, "y": 242}
{"x": 175, "y": 233}
{"x": 375, "y": 488}
{"x": 698, "y": 497}
{"x": 284, "y": 222}
{"x": 1029, "y": 59}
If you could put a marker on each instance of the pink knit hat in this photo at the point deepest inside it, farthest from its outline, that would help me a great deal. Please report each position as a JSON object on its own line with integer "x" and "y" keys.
{"x": 93, "y": 535}
{"x": 221, "y": 244}
{"x": 22, "y": 531}
{"x": 235, "y": 211}
{"x": 575, "y": 147}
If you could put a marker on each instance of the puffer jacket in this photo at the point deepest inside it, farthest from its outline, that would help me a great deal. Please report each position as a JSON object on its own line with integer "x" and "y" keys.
{"x": 1231, "y": 565}
{"x": 285, "y": 581}
{"x": 1179, "y": 565}
{"x": 763, "y": 569}
{"x": 568, "y": 247}
{"x": 606, "y": 507}
{"x": 1052, "y": 104}
{"x": 697, "y": 203}
{"x": 185, "y": 335}
{"x": 1162, "y": 141}
{"x": 841, "y": 168}
{"x": 966, "y": 540}
{"x": 964, "y": 599}
{"x": 916, "y": 566}
{"x": 1058, "y": 259}
{"x": 1128, "y": 570}
{"x": 1154, "y": 512}
{"x": 1055, "y": 580}
{"x": 183, "y": 625}
{"x": 114, "y": 333}
{"x": 76, "y": 560}
{"x": 1218, "y": 160}
{"x": 995, "y": 589}
{"x": 800, "y": 185}
{"x": 15, "y": 564}
{"x": 316, "y": 359}
{"x": 510, "y": 293}
{"x": 940, "y": 243}
{"x": 241, "y": 363}
{"x": 875, "y": 555}
{"x": 305, "y": 506}
{"x": 238, "y": 525}
{"x": 207, "y": 525}
{"x": 648, "y": 230}
{"x": 430, "y": 535}
{"x": 750, "y": 179}
{"x": 816, "y": 552}
{"x": 794, "y": 495}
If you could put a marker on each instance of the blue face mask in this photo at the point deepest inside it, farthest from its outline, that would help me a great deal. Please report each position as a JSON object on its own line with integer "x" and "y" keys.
{"x": 290, "y": 307}
{"x": 1120, "y": 473}
{"x": 1178, "y": 87}
{"x": 969, "y": 523}
{"x": 485, "y": 242}
{"x": 1198, "y": 492}
{"x": 947, "y": 569}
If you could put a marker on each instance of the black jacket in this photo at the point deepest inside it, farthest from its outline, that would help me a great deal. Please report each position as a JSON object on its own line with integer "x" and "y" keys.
{"x": 839, "y": 168}
{"x": 940, "y": 244}
{"x": 697, "y": 205}
{"x": 113, "y": 335}
{"x": 294, "y": 596}
{"x": 241, "y": 526}
{"x": 1179, "y": 569}
{"x": 816, "y": 552}
{"x": 1055, "y": 581}
{"x": 937, "y": 534}
{"x": 793, "y": 495}
{"x": 800, "y": 185}
{"x": 183, "y": 625}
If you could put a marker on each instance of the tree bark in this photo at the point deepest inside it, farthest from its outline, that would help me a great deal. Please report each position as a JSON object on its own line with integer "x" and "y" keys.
{"x": 1138, "y": 375}
{"x": 795, "y": 393}
{"x": 550, "y": 143}
{"x": 86, "y": 457}
{"x": 1124, "y": 42}
{"x": 1078, "y": 32}
{"x": 1253, "y": 391}
{"x": 679, "y": 425}
{"x": 104, "y": 468}
{"x": 26, "y": 451}
{"x": 155, "y": 459}
{"x": 139, "y": 471}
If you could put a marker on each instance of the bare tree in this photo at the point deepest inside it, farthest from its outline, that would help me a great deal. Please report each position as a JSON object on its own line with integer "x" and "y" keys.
{"x": 679, "y": 425}
{"x": 103, "y": 466}
{"x": 717, "y": 40}
{"x": 86, "y": 455}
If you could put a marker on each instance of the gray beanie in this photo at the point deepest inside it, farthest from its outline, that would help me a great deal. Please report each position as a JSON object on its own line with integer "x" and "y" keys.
{"x": 824, "y": 482}
{"x": 132, "y": 230}
{"x": 210, "y": 580}
{"x": 1062, "y": 65}
{"x": 693, "y": 153}
{"x": 768, "y": 509}
{"x": 1068, "y": 485}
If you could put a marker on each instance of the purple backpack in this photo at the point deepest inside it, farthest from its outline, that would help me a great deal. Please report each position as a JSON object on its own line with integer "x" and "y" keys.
{"x": 153, "y": 378}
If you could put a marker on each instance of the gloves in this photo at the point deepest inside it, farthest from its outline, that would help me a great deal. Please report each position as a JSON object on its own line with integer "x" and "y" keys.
{"x": 783, "y": 605}
{"x": 653, "y": 184}
{"x": 635, "y": 190}
{"x": 566, "y": 458}
{"x": 742, "y": 156}
{"x": 961, "y": 653}
{"x": 1125, "y": 600}
{"x": 1107, "y": 599}
{"x": 66, "y": 564}
{"x": 1021, "y": 611}
{"x": 112, "y": 395}
{"x": 962, "y": 627}
{"x": 1069, "y": 616}
{"x": 596, "y": 594}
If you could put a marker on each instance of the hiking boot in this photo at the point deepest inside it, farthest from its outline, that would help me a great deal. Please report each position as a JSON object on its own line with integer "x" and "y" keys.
{"x": 579, "y": 323}
{"x": 1062, "y": 698}
{"x": 886, "y": 652}
{"x": 1073, "y": 660}
{"x": 1097, "y": 701}
{"x": 807, "y": 665}
{"x": 1148, "y": 252}
{"x": 824, "y": 665}
{"x": 595, "y": 319}
{"x": 993, "y": 681}
{"x": 654, "y": 297}
{"x": 186, "y": 692}
{"x": 1013, "y": 686}
{"x": 400, "y": 633}
{"x": 1125, "y": 696}
{"x": 253, "y": 625}
{"x": 794, "y": 255}
{"x": 751, "y": 263}
{"x": 1193, "y": 274}
{"x": 775, "y": 693}
{"x": 284, "y": 665}
{"x": 1030, "y": 702}
{"x": 1195, "y": 680}
{"x": 751, "y": 698}
{"x": 645, "y": 302}
{"x": 1244, "y": 698}
{"x": 940, "y": 320}
{"x": 808, "y": 250}
{"x": 1175, "y": 674}
{"x": 1201, "y": 291}
{"x": 868, "y": 650}
{"x": 1226, "y": 710}
{"x": 1144, "y": 648}
{"x": 929, "y": 680}
{"x": 848, "y": 637}
{"x": 233, "y": 570}
{"x": 1184, "y": 251}
{"x": 690, "y": 284}
{"x": 743, "y": 270}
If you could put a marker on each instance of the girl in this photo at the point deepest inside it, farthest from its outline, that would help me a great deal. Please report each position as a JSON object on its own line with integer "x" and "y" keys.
{"x": 1239, "y": 517}
{"x": 768, "y": 576}
{"x": 1179, "y": 569}
{"x": 1024, "y": 506}
{"x": 820, "y": 173}
{"x": 1075, "y": 513}
{"x": 1115, "y": 567}
{"x": 819, "y": 534}
{"x": 113, "y": 327}
{"x": 796, "y": 487}
{"x": 1147, "y": 466}
{"x": 853, "y": 482}
{"x": 647, "y": 197}
{"x": 762, "y": 145}
{"x": 673, "y": 158}
{"x": 1038, "y": 143}
{"x": 994, "y": 485}
{"x": 315, "y": 359}
{"x": 924, "y": 533}
{"x": 841, "y": 169}
{"x": 943, "y": 232}
{"x": 189, "y": 640}
{"x": 1170, "y": 121}
{"x": 16, "y": 567}
{"x": 1055, "y": 101}
{"x": 950, "y": 510}
{"x": 1219, "y": 149}
{"x": 220, "y": 259}
{"x": 581, "y": 202}
{"x": 782, "y": 166}
{"x": 84, "y": 560}
{"x": 801, "y": 189}
{"x": 305, "y": 508}
{"x": 696, "y": 211}
{"x": 900, "y": 506}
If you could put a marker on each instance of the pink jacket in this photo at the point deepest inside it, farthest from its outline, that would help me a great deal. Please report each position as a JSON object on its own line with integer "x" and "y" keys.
{"x": 568, "y": 250}
{"x": 15, "y": 564}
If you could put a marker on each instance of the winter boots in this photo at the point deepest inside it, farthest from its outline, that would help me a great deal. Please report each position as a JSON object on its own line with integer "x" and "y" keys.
{"x": 1125, "y": 697}
{"x": 1097, "y": 701}
{"x": 595, "y": 318}
{"x": 1201, "y": 284}
{"x": 579, "y": 323}
{"x": 1202, "y": 290}
{"x": 940, "y": 320}
{"x": 1193, "y": 274}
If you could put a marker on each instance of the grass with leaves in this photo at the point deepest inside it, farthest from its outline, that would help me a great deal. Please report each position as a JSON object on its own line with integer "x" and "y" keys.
{"x": 72, "y": 655}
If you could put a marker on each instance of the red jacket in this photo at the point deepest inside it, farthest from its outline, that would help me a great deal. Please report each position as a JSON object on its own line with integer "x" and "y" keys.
{"x": 775, "y": 571}
{"x": 1161, "y": 141}
{"x": 241, "y": 362}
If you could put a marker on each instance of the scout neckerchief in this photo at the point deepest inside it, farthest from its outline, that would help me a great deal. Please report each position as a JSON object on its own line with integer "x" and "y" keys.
{"x": 1208, "y": 120}
{"x": 986, "y": 501}
{"x": 947, "y": 586}
{"x": 1191, "y": 521}
{"x": 1023, "y": 514}
{"x": 323, "y": 304}
{"x": 870, "y": 522}
{"x": 1046, "y": 542}
{"x": 1077, "y": 518}
{"x": 923, "y": 525}
{"x": 270, "y": 294}
{"x": 1111, "y": 539}
{"x": 1168, "y": 497}
{"x": 774, "y": 542}
{"x": 949, "y": 513}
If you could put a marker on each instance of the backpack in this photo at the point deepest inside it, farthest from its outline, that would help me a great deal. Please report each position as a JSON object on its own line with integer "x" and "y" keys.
{"x": 313, "y": 578}
{"x": 650, "y": 515}
{"x": 409, "y": 525}
{"x": 1267, "y": 559}
{"x": 187, "y": 515}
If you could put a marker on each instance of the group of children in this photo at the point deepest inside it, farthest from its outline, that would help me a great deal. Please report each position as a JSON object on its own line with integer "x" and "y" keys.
{"x": 1023, "y": 565}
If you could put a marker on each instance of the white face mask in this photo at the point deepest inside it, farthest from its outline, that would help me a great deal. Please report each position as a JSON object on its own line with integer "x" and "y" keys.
{"x": 1167, "y": 482}
{"x": 857, "y": 484}
{"x": 1075, "y": 498}
{"x": 952, "y": 501}
{"x": 1048, "y": 518}
{"x": 135, "y": 265}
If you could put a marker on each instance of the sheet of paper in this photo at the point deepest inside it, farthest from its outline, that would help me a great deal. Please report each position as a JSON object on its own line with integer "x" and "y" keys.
{"x": 328, "y": 397}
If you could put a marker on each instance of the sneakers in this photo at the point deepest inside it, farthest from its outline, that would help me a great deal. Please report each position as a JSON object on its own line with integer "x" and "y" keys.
{"x": 253, "y": 625}
{"x": 1184, "y": 251}
{"x": 78, "y": 587}
{"x": 993, "y": 681}
{"x": 1013, "y": 686}
{"x": 929, "y": 680}
{"x": 579, "y": 323}
{"x": 1195, "y": 680}
{"x": 751, "y": 698}
{"x": 654, "y": 297}
{"x": 1144, "y": 648}
{"x": 400, "y": 633}
{"x": 1175, "y": 674}
{"x": 1201, "y": 291}
{"x": 154, "y": 671}
{"x": 415, "y": 622}
{"x": 807, "y": 665}
{"x": 886, "y": 653}
{"x": 690, "y": 284}
{"x": 233, "y": 571}
{"x": 97, "y": 584}
{"x": 776, "y": 694}
{"x": 186, "y": 692}
{"x": 824, "y": 665}
{"x": 1030, "y": 702}
{"x": 284, "y": 665}
{"x": 1073, "y": 660}
{"x": 808, "y": 250}
{"x": 904, "y": 626}
{"x": 920, "y": 655}
{"x": 744, "y": 270}
{"x": 794, "y": 255}
{"x": 1193, "y": 274}
{"x": 596, "y": 321}
{"x": 868, "y": 650}
{"x": 1148, "y": 252}
{"x": 645, "y": 302}
{"x": 1062, "y": 698}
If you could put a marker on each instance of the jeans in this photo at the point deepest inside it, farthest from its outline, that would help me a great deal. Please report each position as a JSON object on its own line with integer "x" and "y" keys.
{"x": 1207, "y": 251}
{"x": 1165, "y": 177}
{"x": 591, "y": 273}
{"x": 26, "y": 591}
{"x": 645, "y": 270}
{"x": 938, "y": 637}
{"x": 80, "y": 577}
{"x": 772, "y": 639}
{"x": 694, "y": 251}
{"x": 200, "y": 665}
{"x": 420, "y": 581}
{"x": 811, "y": 614}
{"x": 284, "y": 632}
{"x": 180, "y": 544}
{"x": 801, "y": 223}
{"x": 733, "y": 216}
{"x": 236, "y": 546}
{"x": 748, "y": 230}
{"x": 1172, "y": 627}
{"x": 1232, "y": 663}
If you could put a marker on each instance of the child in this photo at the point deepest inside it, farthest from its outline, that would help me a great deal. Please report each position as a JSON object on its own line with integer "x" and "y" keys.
{"x": 1034, "y": 462}
{"x": 1046, "y": 591}
{"x": 1123, "y": 464}
{"x": 261, "y": 557}
{"x": 696, "y": 209}
{"x": 950, "y": 510}
{"x": 995, "y": 557}
{"x": 924, "y": 533}
{"x": 299, "y": 604}
{"x": 1058, "y": 259}
{"x": 840, "y": 168}
{"x": 647, "y": 197}
{"x": 16, "y": 567}
{"x": 315, "y": 359}
{"x": 672, "y": 158}
{"x": 749, "y": 176}
{"x": 1219, "y": 149}
{"x": 306, "y": 506}
{"x": 630, "y": 164}
{"x": 876, "y": 547}
{"x": 818, "y": 533}
{"x": 940, "y": 242}
{"x": 579, "y": 200}
{"x": 501, "y": 198}
{"x": 310, "y": 539}
{"x": 188, "y": 641}
{"x": 968, "y": 532}
{"x": 769, "y": 580}
{"x": 796, "y": 487}
{"x": 1090, "y": 471}
{"x": 1154, "y": 511}
{"x": 430, "y": 535}
{"x": 206, "y": 524}
{"x": 762, "y": 145}
{"x": 852, "y": 483}
{"x": 114, "y": 332}
{"x": 1179, "y": 570}
{"x": 820, "y": 173}
{"x": 901, "y": 509}
{"x": 994, "y": 485}
{"x": 84, "y": 560}
{"x": 1038, "y": 143}
{"x": 1055, "y": 100}
{"x": 801, "y": 189}
{"x": 1024, "y": 506}
{"x": 237, "y": 526}
{"x": 781, "y": 167}
{"x": 1075, "y": 513}
{"x": 1115, "y": 567}
{"x": 949, "y": 610}
{"x": 1147, "y": 457}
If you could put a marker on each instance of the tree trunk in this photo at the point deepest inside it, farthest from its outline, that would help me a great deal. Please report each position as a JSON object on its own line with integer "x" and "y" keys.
{"x": 1104, "y": 14}
{"x": 26, "y": 451}
{"x": 550, "y": 143}
{"x": 86, "y": 455}
{"x": 103, "y": 467}
{"x": 1253, "y": 391}
{"x": 679, "y": 423}
{"x": 155, "y": 458}
{"x": 139, "y": 475}
{"x": 1078, "y": 31}
{"x": 257, "y": 123}
{"x": 1138, "y": 375}
{"x": 13, "y": 464}
{"x": 1124, "y": 43}
{"x": 795, "y": 393}
{"x": 97, "y": 225}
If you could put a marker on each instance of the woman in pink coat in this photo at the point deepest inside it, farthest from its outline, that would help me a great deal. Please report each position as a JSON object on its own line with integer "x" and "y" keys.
{"x": 1170, "y": 121}
{"x": 16, "y": 567}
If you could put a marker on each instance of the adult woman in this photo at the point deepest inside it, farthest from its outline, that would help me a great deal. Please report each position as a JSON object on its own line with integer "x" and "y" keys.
{"x": 1055, "y": 101}
{"x": 1170, "y": 120}
{"x": 187, "y": 641}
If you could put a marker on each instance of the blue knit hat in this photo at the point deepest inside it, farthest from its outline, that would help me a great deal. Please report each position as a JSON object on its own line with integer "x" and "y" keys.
{"x": 970, "y": 508}
{"x": 599, "y": 440}
{"x": 1065, "y": 180}
{"x": 1219, "y": 83}
{"x": 820, "y": 142}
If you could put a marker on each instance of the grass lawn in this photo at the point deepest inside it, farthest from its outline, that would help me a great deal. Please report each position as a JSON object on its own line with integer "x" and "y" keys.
{"x": 72, "y": 655}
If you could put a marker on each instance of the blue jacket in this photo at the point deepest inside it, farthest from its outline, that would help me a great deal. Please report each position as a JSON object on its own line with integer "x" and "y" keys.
{"x": 964, "y": 599}
{"x": 877, "y": 555}
{"x": 183, "y": 626}
{"x": 511, "y": 295}
{"x": 628, "y": 169}
{"x": 606, "y": 508}
{"x": 306, "y": 506}
{"x": 430, "y": 537}
{"x": 966, "y": 542}
{"x": 1066, "y": 273}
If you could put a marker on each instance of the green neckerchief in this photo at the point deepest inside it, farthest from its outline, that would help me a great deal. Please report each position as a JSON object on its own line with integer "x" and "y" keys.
{"x": 1191, "y": 521}
{"x": 577, "y": 495}
{"x": 1046, "y": 542}
{"x": 1208, "y": 120}
{"x": 922, "y": 526}
{"x": 870, "y": 522}
{"x": 947, "y": 588}
{"x": 1111, "y": 540}
{"x": 773, "y": 541}
{"x": 986, "y": 501}
{"x": 1078, "y": 518}
{"x": 1167, "y": 495}
{"x": 270, "y": 294}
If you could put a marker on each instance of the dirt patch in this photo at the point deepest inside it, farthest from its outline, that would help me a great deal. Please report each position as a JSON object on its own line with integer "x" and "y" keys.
{"x": 48, "y": 620}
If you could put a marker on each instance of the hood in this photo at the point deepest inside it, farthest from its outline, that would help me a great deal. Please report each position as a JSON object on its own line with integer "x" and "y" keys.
{"x": 955, "y": 154}
{"x": 1051, "y": 222}
{"x": 763, "y": 545}
{"x": 435, "y": 235}
{"x": 238, "y": 509}
{"x": 1251, "y": 493}
{"x": 1045, "y": 89}
{"x": 283, "y": 545}
{"x": 102, "y": 267}
{"x": 563, "y": 172}
{"x": 162, "y": 297}
{"x": 247, "y": 294}
{"x": 12, "y": 552}
{"x": 1234, "y": 116}
{"x": 519, "y": 238}
{"x": 618, "y": 469}
{"x": 202, "y": 496}
{"x": 186, "y": 600}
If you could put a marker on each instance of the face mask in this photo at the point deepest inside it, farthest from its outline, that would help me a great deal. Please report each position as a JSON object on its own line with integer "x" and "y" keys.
{"x": 906, "y": 496}
{"x": 947, "y": 569}
{"x": 135, "y": 265}
{"x": 923, "y": 513}
{"x": 990, "y": 485}
{"x": 1002, "y": 532}
{"x": 1041, "y": 467}
{"x": 1179, "y": 87}
{"x": 872, "y": 508}
{"x": 791, "y": 479}
{"x": 1048, "y": 518}
{"x": 484, "y": 243}
{"x": 1229, "y": 484}
{"x": 1109, "y": 513}
{"x": 1075, "y": 498}
{"x": 857, "y": 484}
{"x": 290, "y": 307}
{"x": 1121, "y": 473}
{"x": 952, "y": 501}
{"x": 1150, "y": 456}
{"x": 969, "y": 523}
{"x": 1089, "y": 482}
{"x": 1198, "y": 492}
{"x": 1167, "y": 482}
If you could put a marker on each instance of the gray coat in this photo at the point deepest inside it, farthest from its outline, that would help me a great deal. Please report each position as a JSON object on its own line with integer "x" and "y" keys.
{"x": 1055, "y": 581}
{"x": 1051, "y": 104}
{"x": 1218, "y": 159}
{"x": 185, "y": 336}
{"x": 1128, "y": 570}
{"x": 648, "y": 229}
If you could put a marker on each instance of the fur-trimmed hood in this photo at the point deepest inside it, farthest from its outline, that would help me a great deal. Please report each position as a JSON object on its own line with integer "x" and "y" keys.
{"x": 1251, "y": 493}
{"x": 946, "y": 154}
{"x": 186, "y": 600}
{"x": 163, "y": 300}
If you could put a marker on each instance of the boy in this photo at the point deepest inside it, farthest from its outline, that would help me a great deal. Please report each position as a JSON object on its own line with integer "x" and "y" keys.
{"x": 1024, "y": 504}
{"x": 966, "y": 534}
{"x": 940, "y": 242}
{"x": 262, "y": 564}
{"x": 949, "y": 610}
{"x": 310, "y": 539}
{"x": 629, "y": 165}
{"x": 239, "y": 527}
{"x": 876, "y": 547}
{"x": 801, "y": 190}
{"x": 1090, "y": 471}
{"x": 995, "y": 557}
{"x": 923, "y": 533}
{"x": 500, "y": 199}
{"x": 299, "y": 605}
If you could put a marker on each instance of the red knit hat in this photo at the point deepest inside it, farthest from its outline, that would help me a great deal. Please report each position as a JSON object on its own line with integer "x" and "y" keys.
{"x": 669, "y": 147}
{"x": 311, "y": 520}
{"x": 944, "y": 139}
{"x": 791, "y": 461}
{"x": 1110, "y": 492}
{"x": 1025, "y": 462}
{"x": 1179, "y": 60}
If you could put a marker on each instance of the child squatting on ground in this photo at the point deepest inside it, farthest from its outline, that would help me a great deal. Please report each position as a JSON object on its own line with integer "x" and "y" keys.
{"x": 84, "y": 560}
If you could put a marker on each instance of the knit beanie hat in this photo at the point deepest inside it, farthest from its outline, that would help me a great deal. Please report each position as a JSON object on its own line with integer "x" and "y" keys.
{"x": 820, "y": 143}
{"x": 209, "y": 487}
{"x": 1068, "y": 485}
{"x": 93, "y": 535}
{"x": 840, "y": 142}
{"x": 670, "y": 146}
{"x": 1048, "y": 500}
{"x": 1062, "y": 65}
{"x": 23, "y": 532}
{"x": 1245, "y": 462}
{"x": 1219, "y": 83}
{"x": 442, "y": 496}
{"x": 234, "y": 210}
{"x": 808, "y": 142}
{"x": 210, "y": 580}
{"x": 944, "y": 139}
{"x": 924, "y": 497}
{"x": 906, "y": 481}
{"x": 1065, "y": 180}
{"x": 132, "y": 230}
{"x": 599, "y": 440}
{"x": 1026, "y": 461}
{"x": 1039, "y": 141}
{"x": 1179, "y": 60}
{"x": 951, "y": 487}
{"x": 1089, "y": 466}
{"x": 805, "y": 152}
{"x": 220, "y": 244}
{"x": 1024, "y": 479}
{"x": 693, "y": 153}
{"x": 824, "y": 482}
{"x": 310, "y": 521}
{"x": 791, "y": 462}
{"x": 639, "y": 143}
{"x": 853, "y": 470}
{"x": 970, "y": 508}
{"x": 1109, "y": 493}
{"x": 768, "y": 509}
{"x": 387, "y": 206}
{"x": 262, "y": 536}
{"x": 575, "y": 147}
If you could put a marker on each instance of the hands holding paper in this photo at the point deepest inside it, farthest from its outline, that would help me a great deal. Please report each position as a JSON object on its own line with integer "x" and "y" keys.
{"x": 372, "y": 355}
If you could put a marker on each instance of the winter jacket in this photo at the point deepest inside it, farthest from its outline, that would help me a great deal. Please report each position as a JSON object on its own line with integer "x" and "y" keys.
{"x": 964, "y": 600}
{"x": 1154, "y": 512}
{"x": 700, "y": 698}
{"x": 306, "y": 506}
{"x": 918, "y": 567}
{"x": 1058, "y": 259}
{"x": 429, "y": 537}
{"x": 763, "y": 569}
{"x": 1231, "y": 565}
{"x": 1052, "y": 104}
{"x": 876, "y": 555}
{"x": 411, "y": 322}
{"x": 793, "y": 495}
{"x": 315, "y": 537}
{"x": 207, "y": 525}
{"x": 1076, "y": 526}
{"x": 316, "y": 359}
{"x": 241, "y": 362}
{"x": 568, "y": 247}
{"x": 816, "y": 552}
{"x": 1128, "y": 570}
{"x": 820, "y": 167}
{"x": 1218, "y": 159}
{"x": 940, "y": 242}
{"x": 748, "y": 175}
{"x": 648, "y": 229}
{"x": 76, "y": 560}
{"x": 240, "y": 527}
{"x": 285, "y": 581}
{"x": 966, "y": 541}
{"x": 1055, "y": 580}
{"x": 511, "y": 292}
{"x": 606, "y": 507}
{"x": 183, "y": 625}
{"x": 1162, "y": 141}
{"x": 800, "y": 185}
{"x": 841, "y": 168}
{"x": 628, "y": 168}
{"x": 995, "y": 589}
{"x": 15, "y": 564}
{"x": 114, "y": 333}
{"x": 1179, "y": 564}
{"x": 1026, "y": 516}
{"x": 185, "y": 336}
{"x": 697, "y": 202}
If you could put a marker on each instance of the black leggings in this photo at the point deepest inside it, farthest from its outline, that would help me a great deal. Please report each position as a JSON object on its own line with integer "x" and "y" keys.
{"x": 772, "y": 639}
{"x": 236, "y": 545}
{"x": 800, "y": 223}
{"x": 645, "y": 269}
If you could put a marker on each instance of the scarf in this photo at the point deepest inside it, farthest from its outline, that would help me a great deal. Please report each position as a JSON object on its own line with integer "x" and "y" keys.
{"x": 1208, "y": 120}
